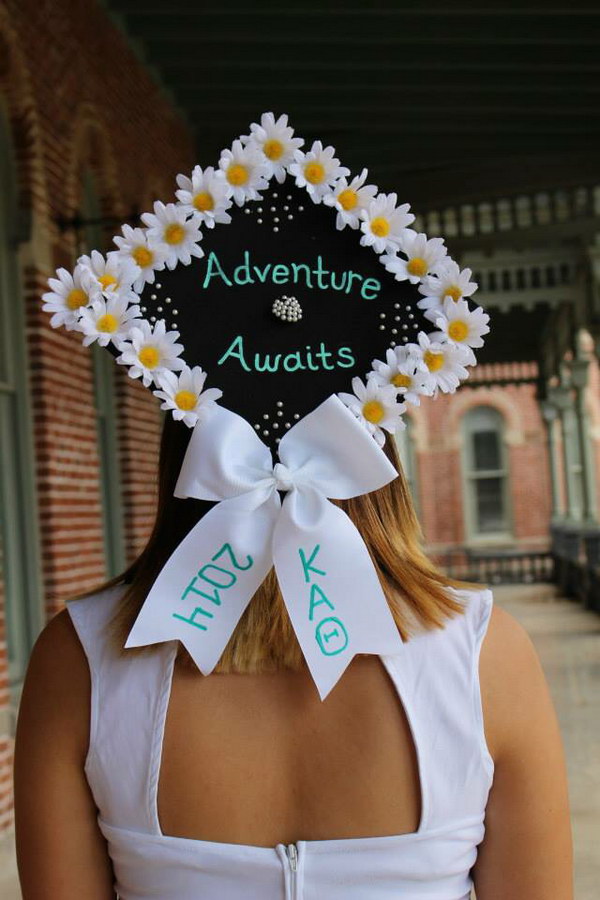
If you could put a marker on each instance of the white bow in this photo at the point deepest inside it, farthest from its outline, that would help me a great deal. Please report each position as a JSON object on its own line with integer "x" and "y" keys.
{"x": 328, "y": 582}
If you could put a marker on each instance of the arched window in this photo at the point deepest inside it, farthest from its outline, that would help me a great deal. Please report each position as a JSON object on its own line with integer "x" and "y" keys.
{"x": 485, "y": 474}
{"x": 19, "y": 555}
{"x": 92, "y": 238}
{"x": 406, "y": 448}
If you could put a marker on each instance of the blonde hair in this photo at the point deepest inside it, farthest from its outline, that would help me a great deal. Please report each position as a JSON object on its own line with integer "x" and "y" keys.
{"x": 264, "y": 640}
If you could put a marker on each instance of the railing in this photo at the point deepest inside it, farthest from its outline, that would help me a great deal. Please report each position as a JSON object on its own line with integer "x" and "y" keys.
{"x": 513, "y": 213}
{"x": 498, "y": 566}
{"x": 576, "y": 554}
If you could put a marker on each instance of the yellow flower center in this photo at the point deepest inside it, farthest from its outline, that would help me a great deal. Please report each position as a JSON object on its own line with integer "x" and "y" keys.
{"x": 149, "y": 357}
{"x": 453, "y": 292}
{"x": 143, "y": 257}
{"x": 237, "y": 174}
{"x": 417, "y": 266}
{"x": 185, "y": 400}
{"x": 348, "y": 199}
{"x": 174, "y": 233}
{"x": 373, "y": 411}
{"x": 76, "y": 298}
{"x": 273, "y": 149}
{"x": 314, "y": 172}
{"x": 203, "y": 201}
{"x": 433, "y": 361}
{"x": 107, "y": 323}
{"x": 380, "y": 226}
{"x": 400, "y": 380}
{"x": 458, "y": 330}
{"x": 107, "y": 281}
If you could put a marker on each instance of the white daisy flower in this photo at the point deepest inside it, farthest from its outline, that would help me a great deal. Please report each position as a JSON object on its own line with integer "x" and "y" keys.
{"x": 184, "y": 395}
{"x": 375, "y": 407}
{"x": 405, "y": 371}
{"x": 276, "y": 142}
{"x": 107, "y": 320}
{"x": 109, "y": 276}
{"x": 317, "y": 170}
{"x": 172, "y": 232}
{"x": 147, "y": 255}
{"x": 150, "y": 351}
{"x": 67, "y": 296}
{"x": 350, "y": 198}
{"x": 205, "y": 195}
{"x": 461, "y": 325}
{"x": 421, "y": 256}
{"x": 245, "y": 171}
{"x": 446, "y": 361}
{"x": 384, "y": 223}
{"x": 447, "y": 281}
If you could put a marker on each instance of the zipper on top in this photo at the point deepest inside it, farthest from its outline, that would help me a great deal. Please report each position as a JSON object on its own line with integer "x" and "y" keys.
{"x": 292, "y": 855}
{"x": 291, "y": 851}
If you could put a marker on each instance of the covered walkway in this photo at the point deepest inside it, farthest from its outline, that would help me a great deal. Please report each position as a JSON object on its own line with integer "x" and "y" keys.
{"x": 567, "y": 638}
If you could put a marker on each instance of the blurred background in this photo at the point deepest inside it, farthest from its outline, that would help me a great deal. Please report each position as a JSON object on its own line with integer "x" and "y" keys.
{"x": 486, "y": 120}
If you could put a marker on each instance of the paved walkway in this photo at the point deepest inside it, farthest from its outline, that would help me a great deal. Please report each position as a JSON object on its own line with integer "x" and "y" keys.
{"x": 567, "y": 639}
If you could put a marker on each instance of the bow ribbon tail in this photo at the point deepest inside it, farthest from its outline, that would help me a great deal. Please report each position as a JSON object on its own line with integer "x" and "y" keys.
{"x": 330, "y": 588}
{"x": 208, "y": 581}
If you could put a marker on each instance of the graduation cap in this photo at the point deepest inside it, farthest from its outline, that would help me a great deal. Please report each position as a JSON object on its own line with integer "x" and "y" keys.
{"x": 280, "y": 294}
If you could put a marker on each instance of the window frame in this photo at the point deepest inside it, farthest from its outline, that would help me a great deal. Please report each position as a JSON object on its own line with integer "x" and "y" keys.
{"x": 405, "y": 444}
{"x": 21, "y": 568}
{"x": 105, "y": 401}
{"x": 470, "y": 476}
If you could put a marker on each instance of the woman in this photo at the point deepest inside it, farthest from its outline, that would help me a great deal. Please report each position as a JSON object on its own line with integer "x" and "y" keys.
{"x": 411, "y": 781}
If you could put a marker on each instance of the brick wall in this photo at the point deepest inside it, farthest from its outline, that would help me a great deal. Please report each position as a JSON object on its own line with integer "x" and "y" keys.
{"x": 78, "y": 99}
{"x": 439, "y": 452}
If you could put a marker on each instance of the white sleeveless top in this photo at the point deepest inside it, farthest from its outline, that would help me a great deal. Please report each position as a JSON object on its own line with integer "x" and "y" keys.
{"x": 437, "y": 679}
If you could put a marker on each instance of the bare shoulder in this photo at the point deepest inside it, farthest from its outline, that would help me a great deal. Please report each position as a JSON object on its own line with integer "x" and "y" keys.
{"x": 58, "y": 671}
{"x": 57, "y": 649}
{"x": 527, "y": 848}
{"x": 512, "y": 681}
{"x": 60, "y": 849}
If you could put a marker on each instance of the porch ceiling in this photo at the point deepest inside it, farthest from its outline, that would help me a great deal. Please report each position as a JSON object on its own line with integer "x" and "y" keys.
{"x": 400, "y": 87}
{"x": 441, "y": 104}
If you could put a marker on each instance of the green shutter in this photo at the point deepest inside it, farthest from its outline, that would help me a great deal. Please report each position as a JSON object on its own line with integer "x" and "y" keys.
{"x": 19, "y": 539}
